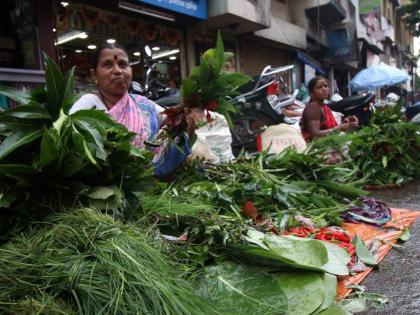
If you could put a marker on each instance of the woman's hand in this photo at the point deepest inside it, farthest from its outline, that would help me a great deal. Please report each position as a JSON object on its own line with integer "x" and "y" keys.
{"x": 195, "y": 119}
{"x": 351, "y": 119}
{"x": 345, "y": 126}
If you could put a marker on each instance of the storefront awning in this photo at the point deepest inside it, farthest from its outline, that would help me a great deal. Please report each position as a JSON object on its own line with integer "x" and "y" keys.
{"x": 306, "y": 59}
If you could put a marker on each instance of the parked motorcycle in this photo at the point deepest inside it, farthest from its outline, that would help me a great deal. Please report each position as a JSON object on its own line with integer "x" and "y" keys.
{"x": 259, "y": 109}
{"x": 360, "y": 106}
{"x": 413, "y": 112}
{"x": 152, "y": 88}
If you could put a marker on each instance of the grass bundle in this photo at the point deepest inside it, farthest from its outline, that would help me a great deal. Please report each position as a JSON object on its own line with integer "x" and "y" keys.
{"x": 171, "y": 204}
{"x": 95, "y": 265}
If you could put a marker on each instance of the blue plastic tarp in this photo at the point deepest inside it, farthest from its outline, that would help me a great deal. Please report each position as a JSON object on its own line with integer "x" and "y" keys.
{"x": 378, "y": 76}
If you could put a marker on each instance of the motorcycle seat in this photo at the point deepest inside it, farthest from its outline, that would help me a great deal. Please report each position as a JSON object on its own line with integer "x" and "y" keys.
{"x": 351, "y": 102}
{"x": 412, "y": 111}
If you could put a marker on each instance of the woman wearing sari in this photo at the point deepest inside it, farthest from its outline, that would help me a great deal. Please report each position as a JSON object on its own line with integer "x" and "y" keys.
{"x": 317, "y": 118}
{"x": 140, "y": 115}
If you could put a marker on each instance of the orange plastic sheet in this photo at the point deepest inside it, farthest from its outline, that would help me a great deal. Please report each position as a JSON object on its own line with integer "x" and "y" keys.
{"x": 401, "y": 219}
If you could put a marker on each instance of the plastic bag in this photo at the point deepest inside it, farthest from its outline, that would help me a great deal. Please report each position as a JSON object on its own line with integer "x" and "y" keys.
{"x": 214, "y": 141}
{"x": 278, "y": 137}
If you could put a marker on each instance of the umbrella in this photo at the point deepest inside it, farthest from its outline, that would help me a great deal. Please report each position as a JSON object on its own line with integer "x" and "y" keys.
{"x": 378, "y": 76}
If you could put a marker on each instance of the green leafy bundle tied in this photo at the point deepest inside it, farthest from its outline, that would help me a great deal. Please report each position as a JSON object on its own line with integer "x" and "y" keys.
{"x": 93, "y": 265}
{"x": 50, "y": 159}
{"x": 207, "y": 88}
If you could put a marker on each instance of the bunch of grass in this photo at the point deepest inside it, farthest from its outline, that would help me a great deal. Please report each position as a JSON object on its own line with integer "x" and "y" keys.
{"x": 41, "y": 304}
{"x": 169, "y": 203}
{"x": 95, "y": 265}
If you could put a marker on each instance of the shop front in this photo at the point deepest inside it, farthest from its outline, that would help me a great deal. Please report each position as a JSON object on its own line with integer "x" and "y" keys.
{"x": 70, "y": 31}
{"x": 20, "y": 53}
{"x": 81, "y": 28}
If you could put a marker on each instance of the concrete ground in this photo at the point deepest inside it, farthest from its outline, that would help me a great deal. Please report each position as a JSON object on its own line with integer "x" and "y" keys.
{"x": 398, "y": 275}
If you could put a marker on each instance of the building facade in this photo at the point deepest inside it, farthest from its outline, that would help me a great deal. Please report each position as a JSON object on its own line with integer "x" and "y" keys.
{"x": 335, "y": 38}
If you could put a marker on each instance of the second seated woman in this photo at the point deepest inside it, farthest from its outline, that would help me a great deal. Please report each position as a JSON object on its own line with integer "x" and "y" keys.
{"x": 317, "y": 118}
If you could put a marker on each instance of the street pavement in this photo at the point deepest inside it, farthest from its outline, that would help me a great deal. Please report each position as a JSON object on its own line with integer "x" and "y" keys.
{"x": 398, "y": 275}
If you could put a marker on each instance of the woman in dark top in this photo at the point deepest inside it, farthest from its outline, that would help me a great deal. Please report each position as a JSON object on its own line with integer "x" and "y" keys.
{"x": 317, "y": 118}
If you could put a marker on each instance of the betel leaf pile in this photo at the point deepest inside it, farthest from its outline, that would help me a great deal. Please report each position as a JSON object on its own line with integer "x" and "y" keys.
{"x": 50, "y": 160}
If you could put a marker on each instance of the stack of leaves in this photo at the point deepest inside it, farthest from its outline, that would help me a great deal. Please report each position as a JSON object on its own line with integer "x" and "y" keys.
{"x": 207, "y": 88}
{"x": 242, "y": 289}
{"x": 384, "y": 152}
{"x": 215, "y": 204}
{"x": 91, "y": 264}
{"x": 275, "y": 275}
{"x": 387, "y": 153}
{"x": 289, "y": 181}
{"x": 50, "y": 160}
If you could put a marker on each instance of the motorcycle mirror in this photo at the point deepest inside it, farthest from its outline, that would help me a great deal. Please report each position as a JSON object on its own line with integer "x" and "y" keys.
{"x": 148, "y": 50}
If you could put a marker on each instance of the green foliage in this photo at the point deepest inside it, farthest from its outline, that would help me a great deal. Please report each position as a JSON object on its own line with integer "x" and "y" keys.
{"x": 305, "y": 291}
{"x": 384, "y": 152}
{"x": 242, "y": 289}
{"x": 387, "y": 153}
{"x": 207, "y": 88}
{"x": 236, "y": 289}
{"x": 294, "y": 253}
{"x": 92, "y": 264}
{"x": 411, "y": 15}
{"x": 363, "y": 252}
{"x": 208, "y": 201}
{"x": 53, "y": 160}
{"x": 388, "y": 114}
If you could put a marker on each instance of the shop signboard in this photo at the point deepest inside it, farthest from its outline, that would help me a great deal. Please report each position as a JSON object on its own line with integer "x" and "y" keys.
{"x": 368, "y": 6}
{"x": 195, "y": 8}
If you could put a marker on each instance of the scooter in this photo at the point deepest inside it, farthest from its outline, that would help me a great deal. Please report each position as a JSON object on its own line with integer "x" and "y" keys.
{"x": 258, "y": 109}
{"x": 360, "y": 106}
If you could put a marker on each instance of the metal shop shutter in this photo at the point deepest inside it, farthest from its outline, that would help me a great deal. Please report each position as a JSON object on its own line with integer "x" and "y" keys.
{"x": 254, "y": 57}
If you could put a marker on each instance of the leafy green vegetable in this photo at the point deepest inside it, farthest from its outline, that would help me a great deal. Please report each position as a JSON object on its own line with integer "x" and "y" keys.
{"x": 95, "y": 265}
{"x": 405, "y": 235}
{"x": 338, "y": 258}
{"x": 207, "y": 88}
{"x": 363, "y": 252}
{"x": 335, "y": 309}
{"x": 330, "y": 288}
{"x": 304, "y": 290}
{"x": 53, "y": 160}
{"x": 300, "y": 252}
{"x": 238, "y": 289}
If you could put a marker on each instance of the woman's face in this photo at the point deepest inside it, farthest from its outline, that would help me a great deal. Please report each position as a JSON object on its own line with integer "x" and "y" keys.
{"x": 113, "y": 72}
{"x": 321, "y": 90}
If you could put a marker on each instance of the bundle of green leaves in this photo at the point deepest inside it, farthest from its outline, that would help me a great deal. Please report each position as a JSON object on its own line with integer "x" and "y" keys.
{"x": 384, "y": 152}
{"x": 215, "y": 204}
{"x": 387, "y": 153}
{"x": 207, "y": 88}
{"x": 89, "y": 263}
{"x": 50, "y": 160}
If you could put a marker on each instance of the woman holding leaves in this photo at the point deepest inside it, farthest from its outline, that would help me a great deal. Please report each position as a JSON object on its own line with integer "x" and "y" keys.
{"x": 317, "y": 118}
{"x": 140, "y": 115}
